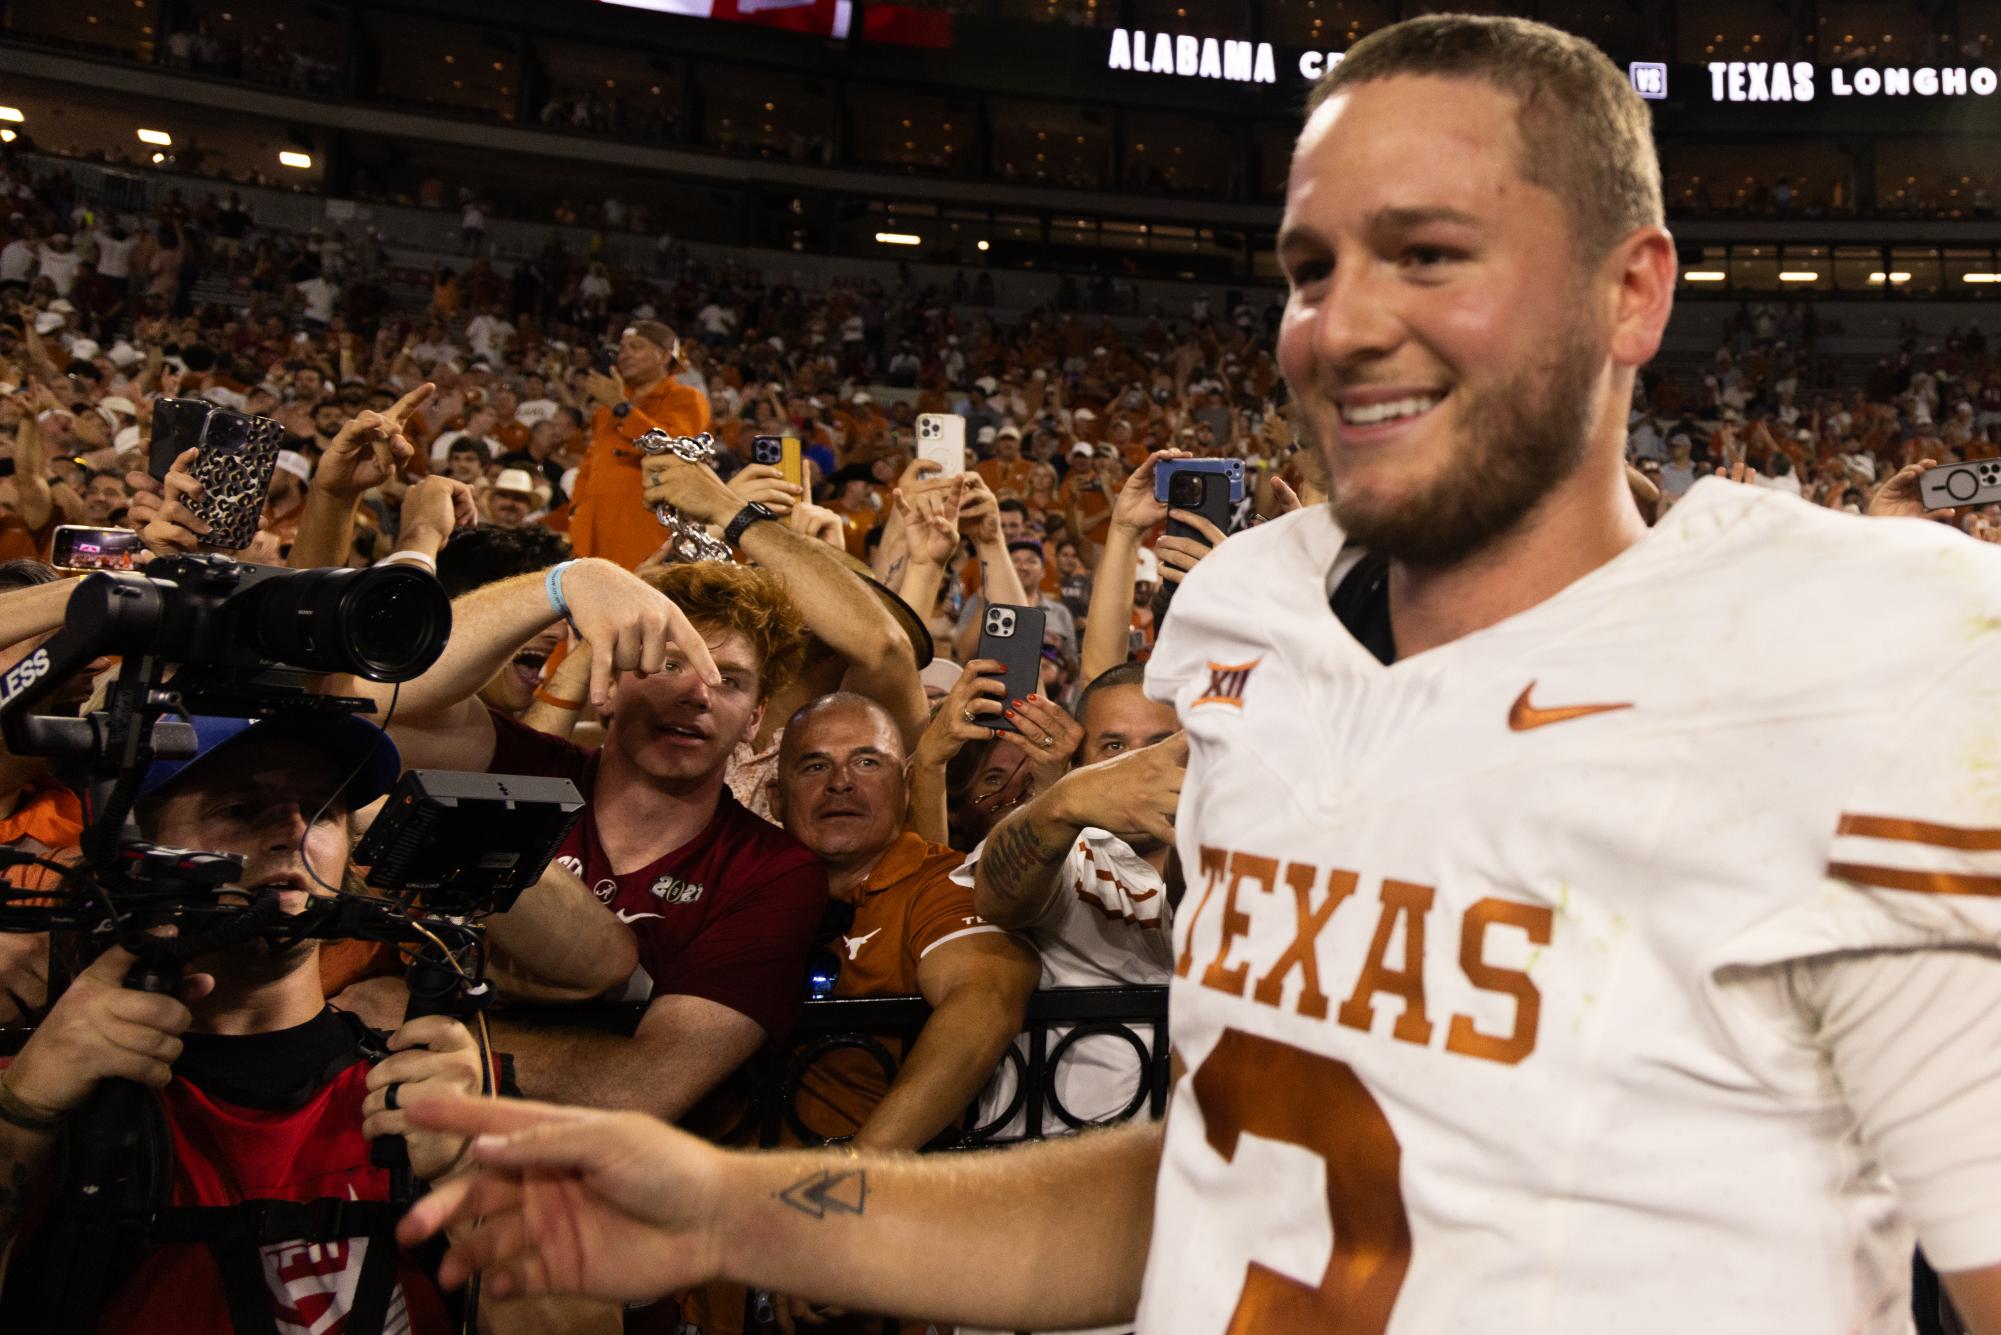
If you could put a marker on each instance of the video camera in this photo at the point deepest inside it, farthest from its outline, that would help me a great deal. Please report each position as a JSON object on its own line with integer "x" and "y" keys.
{"x": 210, "y": 636}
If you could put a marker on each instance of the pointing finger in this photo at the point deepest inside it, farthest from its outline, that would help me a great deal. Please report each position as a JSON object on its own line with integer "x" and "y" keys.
{"x": 399, "y": 412}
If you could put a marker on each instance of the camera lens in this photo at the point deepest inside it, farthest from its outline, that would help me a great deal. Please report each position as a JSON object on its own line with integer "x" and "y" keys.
{"x": 388, "y": 623}
{"x": 1184, "y": 490}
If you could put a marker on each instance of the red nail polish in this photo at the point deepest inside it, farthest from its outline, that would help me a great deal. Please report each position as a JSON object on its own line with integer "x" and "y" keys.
{"x": 1007, "y": 713}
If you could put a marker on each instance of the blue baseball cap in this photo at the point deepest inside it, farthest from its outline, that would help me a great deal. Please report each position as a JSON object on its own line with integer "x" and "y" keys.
{"x": 357, "y": 746}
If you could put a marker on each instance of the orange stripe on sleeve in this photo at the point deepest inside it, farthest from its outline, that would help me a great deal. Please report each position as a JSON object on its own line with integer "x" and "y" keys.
{"x": 1920, "y": 832}
{"x": 1923, "y": 882}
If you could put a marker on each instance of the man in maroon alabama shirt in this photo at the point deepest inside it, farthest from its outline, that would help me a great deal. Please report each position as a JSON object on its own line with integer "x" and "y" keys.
{"x": 724, "y": 905}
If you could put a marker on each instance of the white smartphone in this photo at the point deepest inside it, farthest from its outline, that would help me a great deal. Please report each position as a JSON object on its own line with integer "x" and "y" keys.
{"x": 941, "y": 438}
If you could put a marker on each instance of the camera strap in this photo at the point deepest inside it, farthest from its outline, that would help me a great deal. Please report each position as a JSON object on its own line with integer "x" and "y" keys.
{"x": 236, "y": 1235}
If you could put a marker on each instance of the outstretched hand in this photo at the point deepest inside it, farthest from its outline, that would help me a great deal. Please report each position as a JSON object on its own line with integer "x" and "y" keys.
{"x": 613, "y": 1205}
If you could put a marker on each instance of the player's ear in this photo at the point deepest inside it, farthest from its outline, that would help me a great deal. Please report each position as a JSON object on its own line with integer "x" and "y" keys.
{"x": 1643, "y": 266}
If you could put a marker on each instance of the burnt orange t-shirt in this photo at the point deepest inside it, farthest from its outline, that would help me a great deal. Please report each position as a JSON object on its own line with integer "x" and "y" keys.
{"x": 1004, "y": 478}
{"x": 909, "y": 908}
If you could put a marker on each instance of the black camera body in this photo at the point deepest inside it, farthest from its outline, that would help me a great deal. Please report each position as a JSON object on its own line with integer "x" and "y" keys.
{"x": 245, "y": 638}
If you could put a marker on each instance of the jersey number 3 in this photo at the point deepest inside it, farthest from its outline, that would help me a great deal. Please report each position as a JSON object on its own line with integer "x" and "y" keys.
{"x": 1254, "y": 1086}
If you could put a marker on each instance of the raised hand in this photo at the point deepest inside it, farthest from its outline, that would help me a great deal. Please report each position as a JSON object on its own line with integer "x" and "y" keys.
{"x": 965, "y": 714}
{"x": 433, "y": 508}
{"x": 160, "y": 510}
{"x": 767, "y": 486}
{"x": 1048, "y": 734}
{"x": 1134, "y": 508}
{"x": 371, "y": 448}
{"x": 1898, "y": 497}
{"x": 931, "y": 523}
{"x": 693, "y": 489}
{"x": 1179, "y": 555}
{"x": 608, "y": 390}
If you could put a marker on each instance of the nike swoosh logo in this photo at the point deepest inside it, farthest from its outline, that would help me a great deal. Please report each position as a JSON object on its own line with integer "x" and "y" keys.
{"x": 628, "y": 916}
{"x": 1523, "y": 716}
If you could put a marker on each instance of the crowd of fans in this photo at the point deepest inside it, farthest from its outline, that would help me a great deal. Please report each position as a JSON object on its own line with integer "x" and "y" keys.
{"x": 798, "y": 773}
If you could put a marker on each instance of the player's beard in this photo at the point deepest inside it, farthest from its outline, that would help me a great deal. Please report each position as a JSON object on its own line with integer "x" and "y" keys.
{"x": 1518, "y": 441}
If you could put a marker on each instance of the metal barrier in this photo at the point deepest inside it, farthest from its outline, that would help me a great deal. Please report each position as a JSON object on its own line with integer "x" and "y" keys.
{"x": 1058, "y": 1019}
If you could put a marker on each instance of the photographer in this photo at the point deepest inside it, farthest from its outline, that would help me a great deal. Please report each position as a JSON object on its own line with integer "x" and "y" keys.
{"x": 264, "y": 1091}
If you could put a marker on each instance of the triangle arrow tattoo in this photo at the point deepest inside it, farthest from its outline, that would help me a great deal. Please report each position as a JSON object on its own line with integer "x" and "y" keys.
{"x": 828, "y": 1192}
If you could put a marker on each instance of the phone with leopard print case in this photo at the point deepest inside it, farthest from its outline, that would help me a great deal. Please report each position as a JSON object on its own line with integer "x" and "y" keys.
{"x": 234, "y": 465}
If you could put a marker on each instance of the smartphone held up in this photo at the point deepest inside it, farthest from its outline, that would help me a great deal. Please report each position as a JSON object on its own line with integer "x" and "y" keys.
{"x": 1012, "y": 636}
{"x": 235, "y": 457}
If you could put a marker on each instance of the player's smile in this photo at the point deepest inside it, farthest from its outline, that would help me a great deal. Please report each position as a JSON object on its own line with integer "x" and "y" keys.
{"x": 1383, "y": 416}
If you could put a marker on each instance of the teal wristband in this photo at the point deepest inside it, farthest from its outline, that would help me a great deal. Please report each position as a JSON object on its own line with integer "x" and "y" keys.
{"x": 553, "y": 586}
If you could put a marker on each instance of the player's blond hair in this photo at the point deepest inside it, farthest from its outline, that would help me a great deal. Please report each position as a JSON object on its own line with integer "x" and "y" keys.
{"x": 1587, "y": 137}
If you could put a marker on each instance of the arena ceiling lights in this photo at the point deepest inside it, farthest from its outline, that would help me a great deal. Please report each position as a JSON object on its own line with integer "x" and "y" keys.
{"x": 289, "y": 158}
{"x": 158, "y": 138}
{"x": 12, "y": 114}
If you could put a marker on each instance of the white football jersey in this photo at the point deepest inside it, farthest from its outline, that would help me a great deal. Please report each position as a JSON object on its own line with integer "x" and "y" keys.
{"x": 1106, "y": 927}
{"x": 1454, "y": 970}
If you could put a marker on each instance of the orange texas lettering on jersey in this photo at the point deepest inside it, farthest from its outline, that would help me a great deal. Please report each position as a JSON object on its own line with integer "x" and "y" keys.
{"x": 1255, "y": 886}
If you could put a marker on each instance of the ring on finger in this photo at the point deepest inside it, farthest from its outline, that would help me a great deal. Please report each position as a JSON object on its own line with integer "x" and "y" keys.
{"x": 389, "y": 1096}
{"x": 1047, "y": 740}
{"x": 967, "y": 713}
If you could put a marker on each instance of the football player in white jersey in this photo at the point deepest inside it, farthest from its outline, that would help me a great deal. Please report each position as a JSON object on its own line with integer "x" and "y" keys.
{"x": 1589, "y": 928}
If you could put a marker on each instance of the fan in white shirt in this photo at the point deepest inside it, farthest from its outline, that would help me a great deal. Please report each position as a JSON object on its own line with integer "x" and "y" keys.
{"x": 1092, "y": 902}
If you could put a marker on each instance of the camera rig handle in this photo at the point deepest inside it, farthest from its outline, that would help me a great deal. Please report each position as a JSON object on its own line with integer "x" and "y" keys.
{"x": 437, "y": 987}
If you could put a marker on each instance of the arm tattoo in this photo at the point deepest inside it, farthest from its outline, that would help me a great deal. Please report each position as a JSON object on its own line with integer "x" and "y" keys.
{"x": 1015, "y": 859}
{"x": 828, "y": 1192}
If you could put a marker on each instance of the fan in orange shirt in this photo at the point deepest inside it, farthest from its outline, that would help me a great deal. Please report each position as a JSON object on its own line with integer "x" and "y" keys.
{"x": 609, "y": 517}
{"x": 1006, "y": 472}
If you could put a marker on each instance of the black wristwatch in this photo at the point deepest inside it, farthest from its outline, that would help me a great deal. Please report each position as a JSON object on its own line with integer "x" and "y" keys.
{"x": 621, "y": 410}
{"x": 752, "y": 513}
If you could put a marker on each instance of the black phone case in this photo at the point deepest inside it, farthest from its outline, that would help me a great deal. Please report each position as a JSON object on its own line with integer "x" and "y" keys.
{"x": 1216, "y": 507}
{"x": 235, "y": 483}
{"x": 1019, "y": 649}
{"x": 177, "y": 426}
